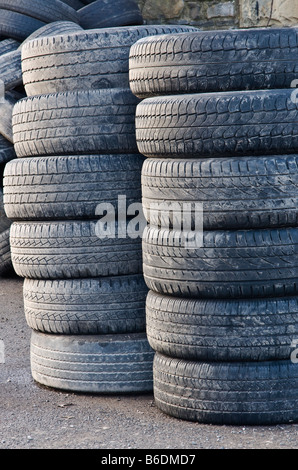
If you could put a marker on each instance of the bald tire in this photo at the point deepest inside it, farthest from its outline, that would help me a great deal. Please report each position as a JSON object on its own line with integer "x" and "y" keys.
{"x": 221, "y": 329}
{"x": 71, "y": 249}
{"x": 221, "y": 263}
{"x": 106, "y": 305}
{"x": 104, "y": 14}
{"x": 42, "y": 10}
{"x": 240, "y": 393}
{"x": 105, "y": 364}
{"x": 17, "y": 26}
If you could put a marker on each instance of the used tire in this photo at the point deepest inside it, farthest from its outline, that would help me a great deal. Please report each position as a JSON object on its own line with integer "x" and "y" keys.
{"x": 107, "y": 305}
{"x": 42, "y": 10}
{"x": 104, "y": 14}
{"x": 104, "y": 364}
{"x": 69, "y": 187}
{"x": 212, "y": 61}
{"x": 228, "y": 264}
{"x": 86, "y": 60}
{"x": 245, "y": 192}
{"x": 5, "y": 223}
{"x": 53, "y": 29}
{"x": 5, "y": 256}
{"x": 7, "y": 151}
{"x": 8, "y": 45}
{"x": 71, "y": 249}
{"x": 79, "y": 122}
{"x": 17, "y": 26}
{"x": 260, "y": 122}
{"x": 222, "y": 330}
{"x": 250, "y": 393}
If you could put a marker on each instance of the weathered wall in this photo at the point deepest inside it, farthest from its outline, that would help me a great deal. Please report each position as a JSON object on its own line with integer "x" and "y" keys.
{"x": 215, "y": 14}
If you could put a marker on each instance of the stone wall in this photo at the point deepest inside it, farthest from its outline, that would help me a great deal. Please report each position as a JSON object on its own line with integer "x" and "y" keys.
{"x": 215, "y": 14}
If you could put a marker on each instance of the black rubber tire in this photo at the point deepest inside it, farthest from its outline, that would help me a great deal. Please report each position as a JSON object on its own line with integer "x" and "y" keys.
{"x": 8, "y": 45}
{"x": 211, "y": 61}
{"x": 71, "y": 249}
{"x": 222, "y": 330}
{"x": 235, "y": 123}
{"x": 236, "y": 192}
{"x": 86, "y": 60}
{"x": 5, "y": 255}
{"x": 42, "y": 10}
{"x": 104, "y": 14}
{"x": 5, "y": 223}
{"x": 105, "y": 364}
{"x": 7, "y": 151}
{"x": 69, "y": 187}
{"x": 76, "y": 4}
{"x": 229, "y": 264}
{"x": 108, "y": 305}
{"x": 240, "y": 393}
{"x": 73, "y": 123}
{"x": 17, "y": 26}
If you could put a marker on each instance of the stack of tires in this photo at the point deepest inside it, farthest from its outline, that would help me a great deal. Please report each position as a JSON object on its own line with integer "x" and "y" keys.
{"x": 20, "y": 22}
{"x": 74, "y": 136}
{"x": 218, "y": 125}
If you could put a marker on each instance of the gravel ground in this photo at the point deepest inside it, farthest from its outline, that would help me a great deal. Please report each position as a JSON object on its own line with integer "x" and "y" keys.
{"x": 36, "y": 417}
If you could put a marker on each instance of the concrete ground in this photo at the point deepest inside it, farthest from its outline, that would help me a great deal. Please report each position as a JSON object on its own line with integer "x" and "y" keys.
{"x": 35, "y": 417}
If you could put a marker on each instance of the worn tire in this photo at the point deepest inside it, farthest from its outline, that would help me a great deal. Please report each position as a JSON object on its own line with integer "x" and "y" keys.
{"x": 107, "y": 305}
{"x": 53, "y": 29}
{"x": 42, "y": 10}
{"x": 5, "y": 255}
{"x": 17, "y": 26}
{"x": 5, "y": 223}
{"x": 71, "y": 249}
{"x": 8, "y": 45}
{"x": 222, "y": 330}
{"x": 73, "y": 123}
{"x": 104, "y": 14}
{"x": 235, "y": 193}
{"x": 260, "y": 122}
{"x": 86, "y": 60}
{"x": 105, "y": 364}
{"x": 7, "y": 151}
{"x": 228, "y": 264}
{"x": 69, "y": 187}
{"x": 240, "y": 393}
{"x": 212, "y": 61}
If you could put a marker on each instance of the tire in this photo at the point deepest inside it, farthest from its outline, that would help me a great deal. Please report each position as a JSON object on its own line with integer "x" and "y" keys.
{"x": 218, "y": 124}
{"x": 5, "y": 256}
{"x": 42, "y": 10}
{"x": 71, "y": 249}
{"x": 11, "y": 69}
{"x": 69, "y": 187}
{"x": 73, "y": 123}
{"x": 86, "y": 60}
{"x": 17, "y": 26}
{"x": 6, "y": 109}
{"x": 105, "y": 364}
{"x": 228, "y": 264}
{"x": 8, "y": 45}
{"x": 235, "y": 193}
{"x": 5, "y": 223}
{"x": 222, "y": 330}
{"x": 104, "y": 14}
{"x": 108, "y": 305}
{"x": 213, "y": 61}
{"x": 7, "y": 151}
{"x": 240, "y": 393}
{"x": 76, "y": 4}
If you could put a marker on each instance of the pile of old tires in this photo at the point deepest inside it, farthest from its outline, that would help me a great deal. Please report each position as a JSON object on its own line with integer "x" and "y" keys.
{"x": 218, "y": 125}
{"x": 74, "y": 136}
{"x": 21, "y": 21}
